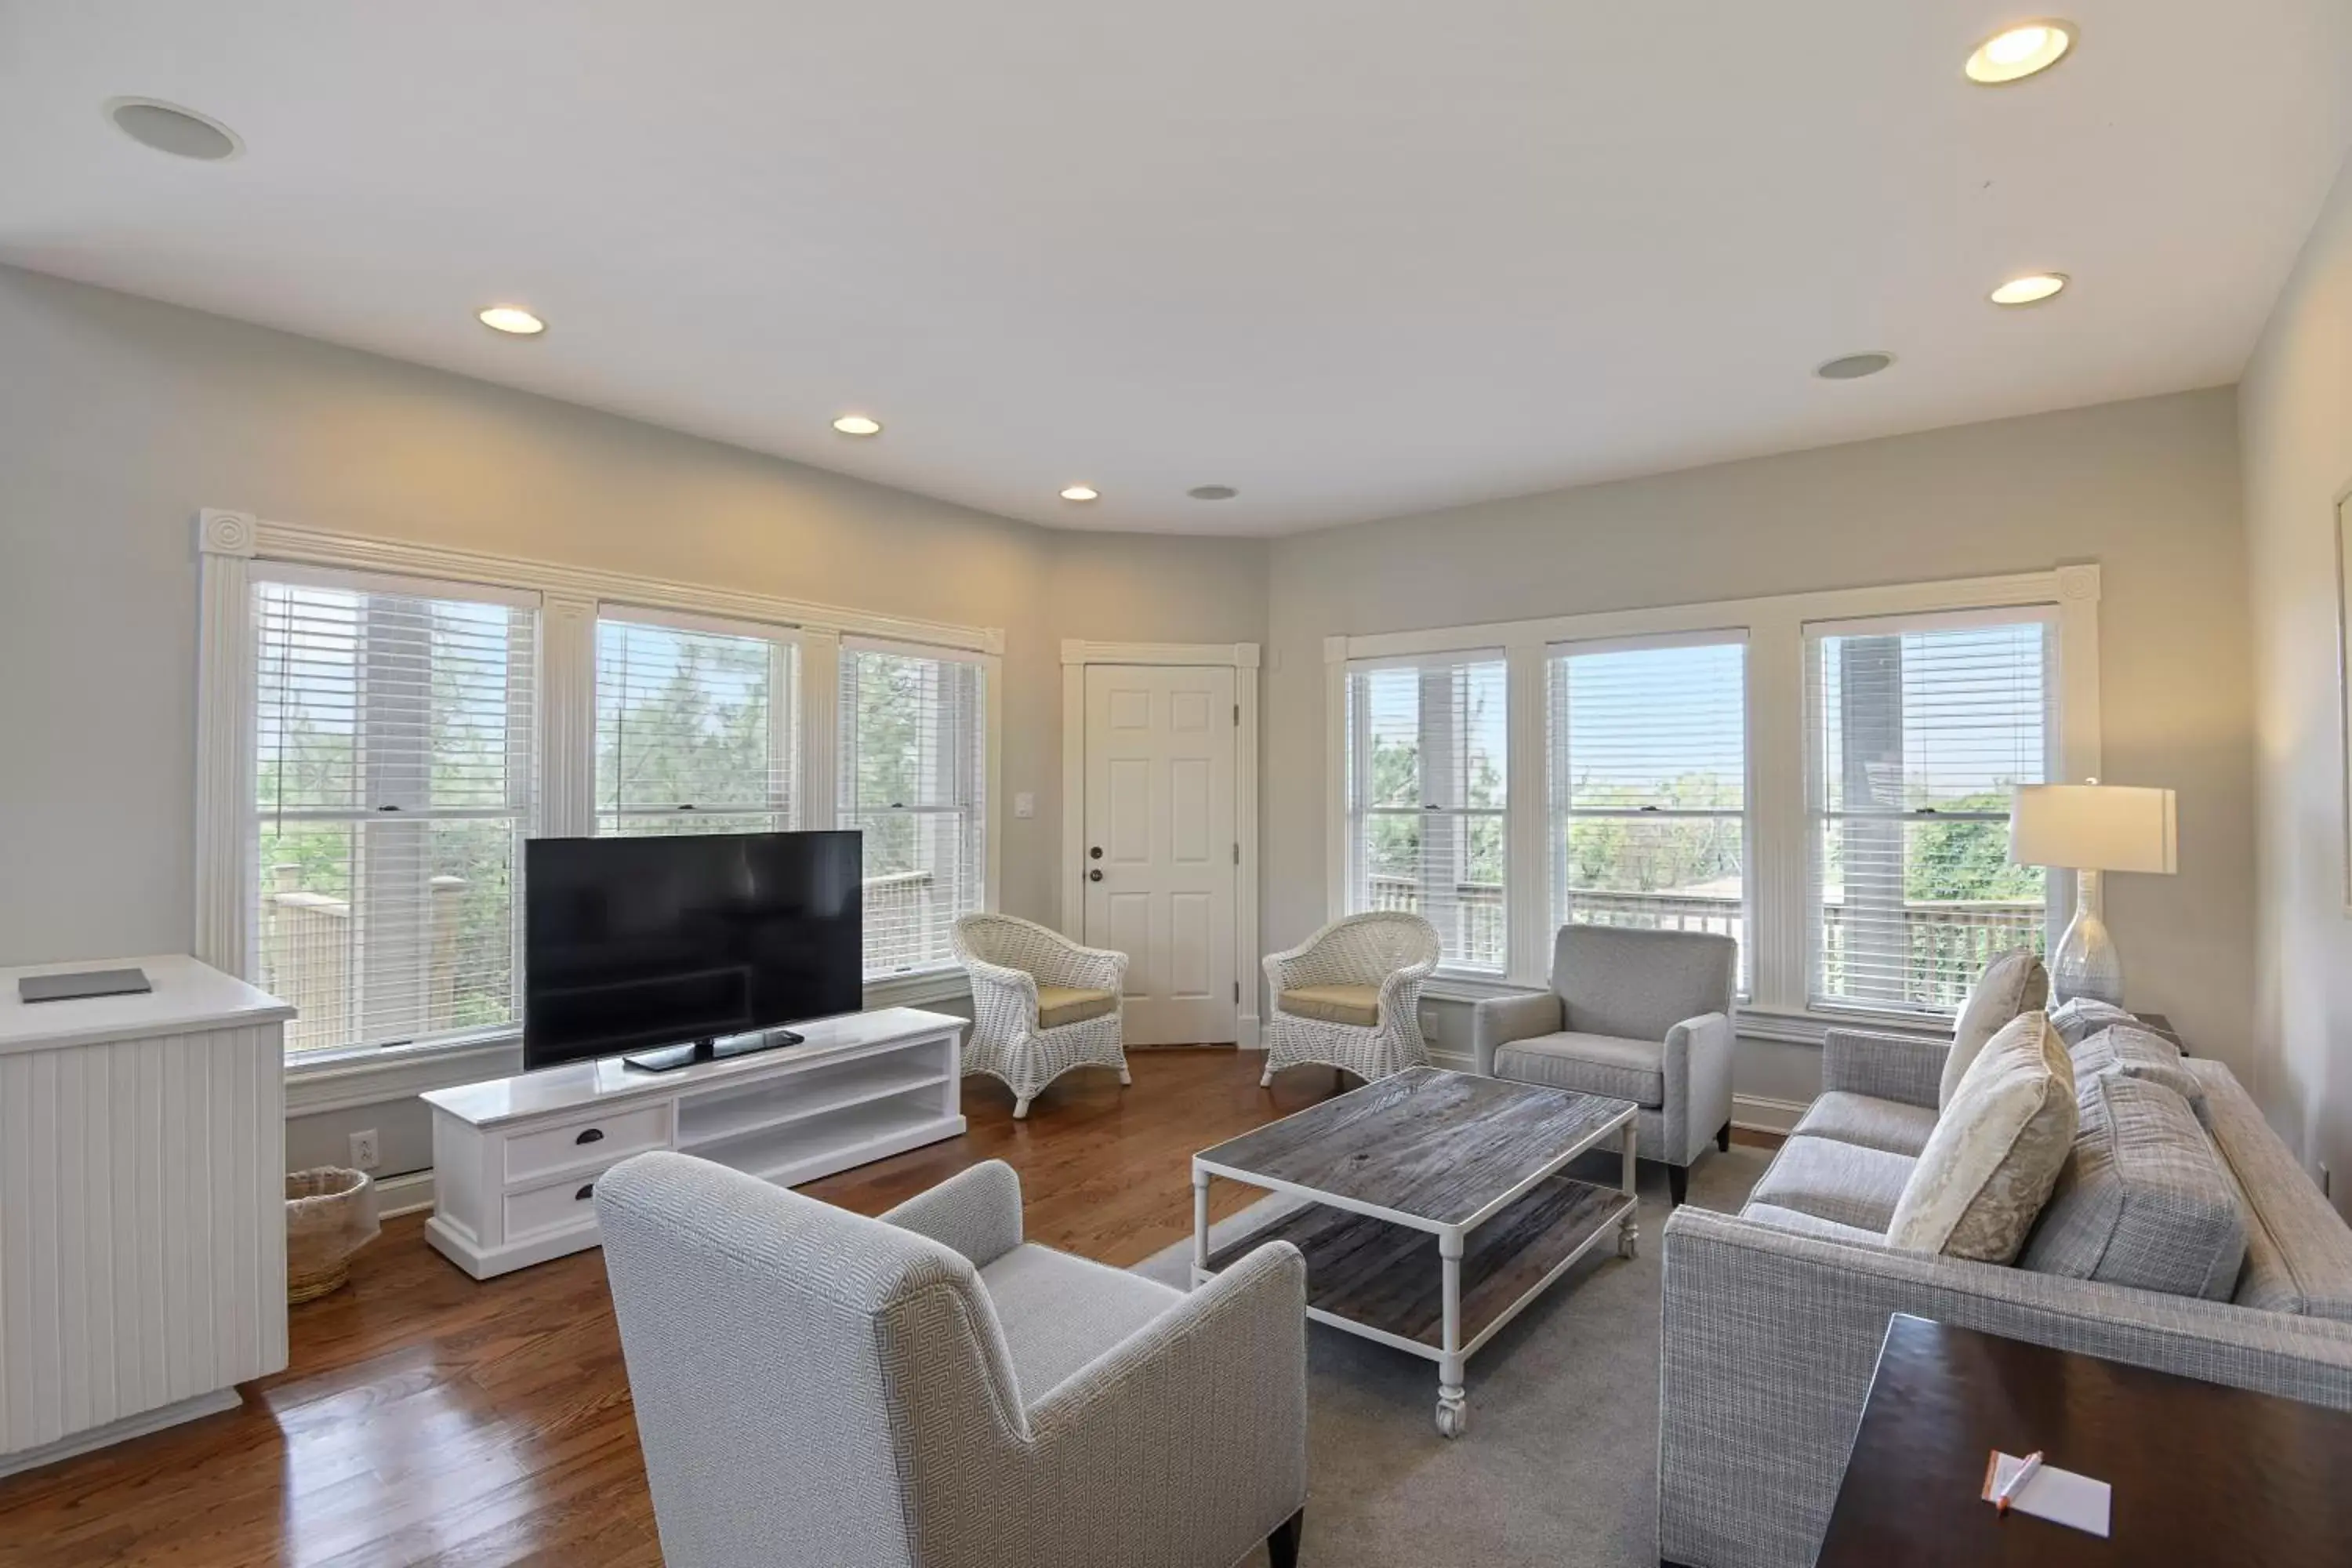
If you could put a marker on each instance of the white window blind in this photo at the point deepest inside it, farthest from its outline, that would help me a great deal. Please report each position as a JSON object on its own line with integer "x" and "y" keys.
{"x": 695, "y": 728}
{"x": 1649, "y": 788}
{"x": 914, "y": 769}
{"x": 1428, "y": 770}
{"x": 1917, "y": 735}
{"x": 393, "y": 786}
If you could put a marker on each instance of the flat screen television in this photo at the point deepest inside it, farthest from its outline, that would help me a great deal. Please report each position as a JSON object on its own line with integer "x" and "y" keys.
{"x": 676, "y": 948}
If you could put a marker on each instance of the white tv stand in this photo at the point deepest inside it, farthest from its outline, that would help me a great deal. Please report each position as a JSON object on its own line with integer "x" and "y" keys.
{"x": 515, "y": 1160}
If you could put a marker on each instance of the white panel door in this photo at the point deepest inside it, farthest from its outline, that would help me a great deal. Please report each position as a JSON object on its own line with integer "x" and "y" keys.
{"x": 1161, "y": 855}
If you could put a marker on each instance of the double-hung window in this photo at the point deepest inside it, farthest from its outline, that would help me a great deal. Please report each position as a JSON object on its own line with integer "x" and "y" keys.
{"x": 695, "y": 730}
{"x": 913, "y": 778}
{"x": 394, "y": 737}
{"x": 1428, "y": 772}
{"x": 1918, "y": 732}
{"x": 1649, "y": 785}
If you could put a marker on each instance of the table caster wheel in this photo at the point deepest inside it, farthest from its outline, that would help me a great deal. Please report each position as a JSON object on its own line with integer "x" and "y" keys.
{"x": 1452, "y": 1418}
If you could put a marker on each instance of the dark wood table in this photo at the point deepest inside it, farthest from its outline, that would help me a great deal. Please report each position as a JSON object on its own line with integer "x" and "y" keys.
{"x": 2201, "y": 1474}
{"x": 1436, "y": 1209}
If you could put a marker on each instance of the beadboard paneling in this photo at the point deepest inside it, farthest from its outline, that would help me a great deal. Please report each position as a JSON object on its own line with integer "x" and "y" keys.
{"x": 142, "y": 1238}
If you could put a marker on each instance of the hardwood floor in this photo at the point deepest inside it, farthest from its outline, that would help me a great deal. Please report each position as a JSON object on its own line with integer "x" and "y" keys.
{"x": 429, "y": 1418}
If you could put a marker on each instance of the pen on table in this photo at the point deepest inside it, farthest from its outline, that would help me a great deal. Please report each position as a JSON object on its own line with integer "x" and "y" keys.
{"x": 2016, "y": 1483}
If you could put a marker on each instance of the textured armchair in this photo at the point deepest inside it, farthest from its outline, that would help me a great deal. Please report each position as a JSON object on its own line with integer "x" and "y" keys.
{"x": 1040, "y": 1004}
{"x": 1349, "y": 996}
{"x": 1643, "y": 1016}
{"x": 816, "y": 1389}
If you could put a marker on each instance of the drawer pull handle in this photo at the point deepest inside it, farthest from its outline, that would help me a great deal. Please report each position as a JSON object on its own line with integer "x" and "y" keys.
{"x": 582, "y": 1195}
{"x": 593, "y": 1135}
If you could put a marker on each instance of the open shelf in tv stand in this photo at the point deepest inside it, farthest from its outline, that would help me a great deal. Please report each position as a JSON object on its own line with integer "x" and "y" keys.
{"x": 515, "y": 1160}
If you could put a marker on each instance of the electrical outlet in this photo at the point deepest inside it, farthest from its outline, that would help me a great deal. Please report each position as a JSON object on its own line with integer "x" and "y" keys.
{"x": 1024, "y": 804}
{"x": 364, "y": 1156}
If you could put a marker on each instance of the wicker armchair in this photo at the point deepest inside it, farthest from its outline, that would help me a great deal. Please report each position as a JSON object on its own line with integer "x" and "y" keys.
{"x": 1040, "y": 1004}
{"x": 1349, "y": 996}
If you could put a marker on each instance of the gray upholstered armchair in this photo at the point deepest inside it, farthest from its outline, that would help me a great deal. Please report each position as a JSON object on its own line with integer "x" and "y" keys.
{"x": 1643, "y": 1016}
{"x": 925, "y": 1391}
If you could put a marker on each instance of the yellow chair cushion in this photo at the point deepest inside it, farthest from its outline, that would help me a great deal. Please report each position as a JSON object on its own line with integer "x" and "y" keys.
{"x": 1060, "y": 1004}
{"x": 1357, "y": 1004}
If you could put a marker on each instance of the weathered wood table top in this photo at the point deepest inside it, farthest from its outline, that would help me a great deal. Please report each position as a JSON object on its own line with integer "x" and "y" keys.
{"x": 1436, "y": 1146}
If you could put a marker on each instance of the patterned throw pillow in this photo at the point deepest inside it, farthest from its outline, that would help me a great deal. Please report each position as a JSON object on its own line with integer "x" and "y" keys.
{"x": 1996, "y": 1150}
{"x": 2012, "y": 983}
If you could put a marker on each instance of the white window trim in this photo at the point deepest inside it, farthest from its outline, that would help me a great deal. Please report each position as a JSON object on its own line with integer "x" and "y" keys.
{"x": 2058, "y": 898}
{"x": 1714, "y": 636}
{"x": 1775, "y": 629}
{"x": 1352, "y": 763}
{"x": 785, "y": 636}
{"x": 229, "y": 542}
{"x": 945, "y": 979}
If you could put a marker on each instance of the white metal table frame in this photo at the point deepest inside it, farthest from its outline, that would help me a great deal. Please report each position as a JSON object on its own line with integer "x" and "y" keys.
{"x": 1452, "y": 1355}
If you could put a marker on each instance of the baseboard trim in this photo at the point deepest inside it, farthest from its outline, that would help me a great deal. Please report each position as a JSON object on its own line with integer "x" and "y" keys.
{"x": 406, "y": 1194}
{"x": 122, "y": 1431}
{"x": 1754, "y": 1113}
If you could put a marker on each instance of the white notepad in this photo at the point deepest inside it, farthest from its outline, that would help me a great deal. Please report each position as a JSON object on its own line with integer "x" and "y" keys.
{"x": 2061, "y": 1497}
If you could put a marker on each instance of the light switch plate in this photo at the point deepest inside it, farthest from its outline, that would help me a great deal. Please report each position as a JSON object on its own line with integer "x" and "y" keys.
{"x": 1024, "y": 804}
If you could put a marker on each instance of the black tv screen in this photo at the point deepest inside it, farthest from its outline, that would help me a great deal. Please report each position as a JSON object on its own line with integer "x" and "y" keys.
{"x": 678, "y": 939}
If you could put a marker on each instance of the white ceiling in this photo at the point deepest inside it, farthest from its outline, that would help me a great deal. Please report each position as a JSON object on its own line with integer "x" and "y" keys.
{"x": 1356, "y": 258}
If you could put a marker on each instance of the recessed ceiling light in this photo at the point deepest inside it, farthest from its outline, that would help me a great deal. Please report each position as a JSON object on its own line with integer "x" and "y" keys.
{"x": 857, "y": 425}
{"x": 513, "y": 320}
{"x": 1854, "y": 367}
{"x": 1081, "y": 492}
{"x": 2016, "y": 53}
{"x": 168, "y": 128}
{"x": 2029, "y": 290}
{"x": 1212, "y": 492}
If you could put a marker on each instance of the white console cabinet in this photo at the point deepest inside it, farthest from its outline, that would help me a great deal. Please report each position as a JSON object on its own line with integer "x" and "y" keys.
{"x": 143, "y": 1206}
{"x": 515, "y": 1160}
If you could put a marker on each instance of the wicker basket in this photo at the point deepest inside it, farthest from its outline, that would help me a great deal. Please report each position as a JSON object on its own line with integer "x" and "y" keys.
{"x": 330, "y": 1214}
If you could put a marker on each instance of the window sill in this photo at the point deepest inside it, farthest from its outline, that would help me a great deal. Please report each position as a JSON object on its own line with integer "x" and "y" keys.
{"x": 343, "y": 1080}
{"x": 917, "y": 987}
{"x": 1795, "y": 1026}
{"x": 1470, "y": 985}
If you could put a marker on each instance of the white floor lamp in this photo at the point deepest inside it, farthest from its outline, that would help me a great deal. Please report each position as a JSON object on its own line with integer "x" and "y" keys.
{"x": 2091, "y": 829}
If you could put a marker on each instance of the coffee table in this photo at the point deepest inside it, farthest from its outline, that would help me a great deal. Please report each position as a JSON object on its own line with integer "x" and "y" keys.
{"x": 1436, "y": 1210}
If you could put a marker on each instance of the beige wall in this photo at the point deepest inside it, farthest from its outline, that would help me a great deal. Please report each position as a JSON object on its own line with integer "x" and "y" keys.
{"x": 120, "y": 418}
{"x": 2148, "y": 490}
{"x": 2295, "y": 415}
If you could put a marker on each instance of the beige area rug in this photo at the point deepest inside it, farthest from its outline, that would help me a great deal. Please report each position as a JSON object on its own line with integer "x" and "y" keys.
{"x": 1559, "y": 1467}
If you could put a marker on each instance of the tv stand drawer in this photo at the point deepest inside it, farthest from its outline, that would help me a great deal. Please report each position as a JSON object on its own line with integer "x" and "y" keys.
{"x": 586, "y": 1145}
{"x": 561, "y": 1206}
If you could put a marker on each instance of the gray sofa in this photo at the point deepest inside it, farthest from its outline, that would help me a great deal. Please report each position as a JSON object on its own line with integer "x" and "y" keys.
{"x": 1773, "y": 1317}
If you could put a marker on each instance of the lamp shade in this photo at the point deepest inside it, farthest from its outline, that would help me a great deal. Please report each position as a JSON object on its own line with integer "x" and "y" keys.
{"x": 2094, "y": 828}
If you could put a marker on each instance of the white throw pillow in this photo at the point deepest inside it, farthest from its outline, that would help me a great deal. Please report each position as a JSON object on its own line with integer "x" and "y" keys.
{"x": 2013, "y": 984}
{"x": 1996, "y": 1150}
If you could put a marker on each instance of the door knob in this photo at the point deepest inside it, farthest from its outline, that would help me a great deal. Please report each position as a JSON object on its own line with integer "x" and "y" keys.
{"x": 1095, "y": 875}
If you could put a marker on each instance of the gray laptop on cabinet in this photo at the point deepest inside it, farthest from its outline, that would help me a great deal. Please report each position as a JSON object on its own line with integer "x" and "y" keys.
{"x": 87, "y": 983}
